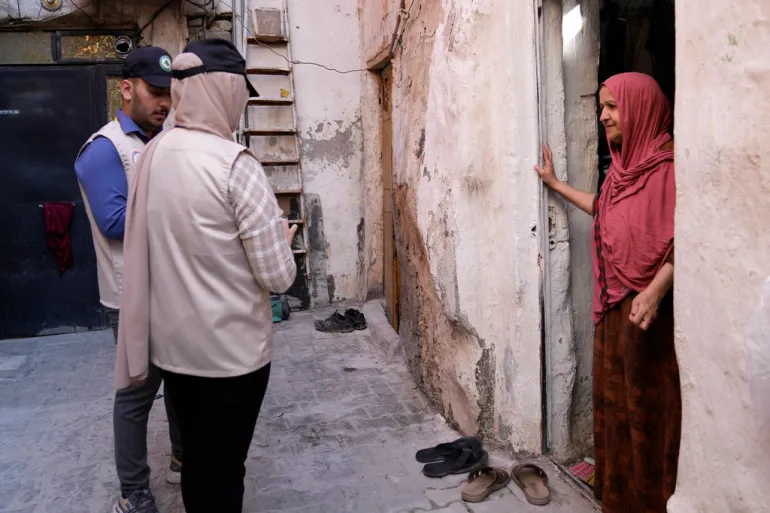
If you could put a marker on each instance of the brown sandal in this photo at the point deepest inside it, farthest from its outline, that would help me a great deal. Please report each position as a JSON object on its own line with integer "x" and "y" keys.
{"x": 534, "y": 483}
{"x": 483, "y": 482}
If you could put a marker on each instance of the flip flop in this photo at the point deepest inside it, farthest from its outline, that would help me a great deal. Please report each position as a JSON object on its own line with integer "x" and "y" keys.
{"x": 534, "y": 483}
{"x": 461, "y": 461}
{"x": 483, "y": 482}
{"x": 441, "y": 451}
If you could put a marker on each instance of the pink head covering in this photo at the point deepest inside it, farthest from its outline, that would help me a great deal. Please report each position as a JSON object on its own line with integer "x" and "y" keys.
{"x": 635, "y": 209}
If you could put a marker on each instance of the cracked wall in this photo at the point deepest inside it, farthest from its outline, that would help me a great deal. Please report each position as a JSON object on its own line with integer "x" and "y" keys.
{"x": 330, "y": 127}
{"x": 466, "y": 202}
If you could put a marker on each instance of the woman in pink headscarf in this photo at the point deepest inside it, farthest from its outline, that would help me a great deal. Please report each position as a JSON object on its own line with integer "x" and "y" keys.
{"x": 637, "y": 399}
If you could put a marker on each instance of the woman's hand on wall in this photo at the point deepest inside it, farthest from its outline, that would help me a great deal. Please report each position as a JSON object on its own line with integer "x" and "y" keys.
{"x": 547, "y": 172}
{"x": 582, "y": 200}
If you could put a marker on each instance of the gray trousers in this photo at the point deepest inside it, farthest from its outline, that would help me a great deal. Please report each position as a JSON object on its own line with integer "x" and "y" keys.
{"x": 129, "y": 420}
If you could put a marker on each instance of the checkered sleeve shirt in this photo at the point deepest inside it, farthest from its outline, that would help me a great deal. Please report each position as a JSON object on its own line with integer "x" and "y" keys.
{"x": 260, "y": 223}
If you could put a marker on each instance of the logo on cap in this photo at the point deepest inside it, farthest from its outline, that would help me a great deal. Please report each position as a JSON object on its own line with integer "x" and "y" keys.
{"x": 165, "y": 63}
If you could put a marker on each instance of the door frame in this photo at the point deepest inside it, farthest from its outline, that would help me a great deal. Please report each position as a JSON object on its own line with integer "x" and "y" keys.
{"x": 391, "y": 280}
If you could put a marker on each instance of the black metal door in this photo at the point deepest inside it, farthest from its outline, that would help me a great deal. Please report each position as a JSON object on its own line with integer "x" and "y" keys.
{"x": 46, "y": 114}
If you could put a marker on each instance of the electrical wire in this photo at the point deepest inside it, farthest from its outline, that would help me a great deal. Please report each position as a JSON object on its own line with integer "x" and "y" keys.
{"x": 153, "y": 17}
{"x": 401, "y": 24}
{"x": 396, "y": 41}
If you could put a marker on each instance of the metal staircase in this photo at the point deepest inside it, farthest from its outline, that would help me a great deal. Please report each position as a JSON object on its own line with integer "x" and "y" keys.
{"x": 270, "y": 126}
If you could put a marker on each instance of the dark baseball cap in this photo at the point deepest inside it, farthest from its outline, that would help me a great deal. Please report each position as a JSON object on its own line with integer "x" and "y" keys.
{"x": 151, "y": 64}
{"x": 217, "y": 55}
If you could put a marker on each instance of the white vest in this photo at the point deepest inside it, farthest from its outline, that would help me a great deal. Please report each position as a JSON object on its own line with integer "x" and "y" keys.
{"x": 109, "y": 253}
{"x": 209, "y": 316}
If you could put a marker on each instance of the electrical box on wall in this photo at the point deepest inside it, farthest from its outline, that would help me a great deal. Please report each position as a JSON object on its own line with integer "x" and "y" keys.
{"x": 268, "y": 25}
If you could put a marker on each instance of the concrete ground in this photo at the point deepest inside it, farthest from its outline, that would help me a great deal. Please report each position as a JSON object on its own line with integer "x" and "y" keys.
{"x": 337, "y": 433}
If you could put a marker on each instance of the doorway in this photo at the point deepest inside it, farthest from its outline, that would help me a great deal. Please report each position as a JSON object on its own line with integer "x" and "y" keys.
{"x": 585, "y": 42}
{"x": 639, "y": 36}
{"x": 390, "y": 255}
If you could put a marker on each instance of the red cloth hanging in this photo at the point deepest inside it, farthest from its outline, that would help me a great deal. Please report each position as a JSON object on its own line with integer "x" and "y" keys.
{"x": 58, "y": 217}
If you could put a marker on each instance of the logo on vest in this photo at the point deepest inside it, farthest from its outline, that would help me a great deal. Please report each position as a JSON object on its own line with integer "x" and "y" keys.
{"x": 165, "y": 63}
{"x": 135, "y": 156}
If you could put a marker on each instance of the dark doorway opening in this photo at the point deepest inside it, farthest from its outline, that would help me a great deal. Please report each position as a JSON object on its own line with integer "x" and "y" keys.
{"x": 636, "y": 35}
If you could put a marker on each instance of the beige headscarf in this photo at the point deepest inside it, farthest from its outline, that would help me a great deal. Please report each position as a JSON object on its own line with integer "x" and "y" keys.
{"x": 210, "y": 102}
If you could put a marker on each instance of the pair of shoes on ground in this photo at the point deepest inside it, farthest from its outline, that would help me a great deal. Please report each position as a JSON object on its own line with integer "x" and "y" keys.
{"x": 345, "y": 322}
{"x": 142, "y": 501}
{"x": 467, "y": 455}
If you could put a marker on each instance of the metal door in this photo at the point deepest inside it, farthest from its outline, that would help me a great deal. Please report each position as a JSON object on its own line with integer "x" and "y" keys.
{"x": 46, "y": 114}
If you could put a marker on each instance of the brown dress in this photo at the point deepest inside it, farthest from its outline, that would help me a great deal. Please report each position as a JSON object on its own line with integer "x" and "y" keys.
{"x": 637, "y": 410}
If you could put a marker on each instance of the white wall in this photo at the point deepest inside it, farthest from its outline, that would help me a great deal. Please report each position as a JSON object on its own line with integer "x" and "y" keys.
{"x": 466, "y": 208}
{"x": 722, "y": 253}
{"x": 480, "y": 143}
{"x": 329, "y": 120}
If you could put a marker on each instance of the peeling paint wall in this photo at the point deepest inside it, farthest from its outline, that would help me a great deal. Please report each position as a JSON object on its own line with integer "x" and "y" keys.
{"x": 464, "y": 129}
{"x": 722, "y": 248}
{"x": 330, "y": 126}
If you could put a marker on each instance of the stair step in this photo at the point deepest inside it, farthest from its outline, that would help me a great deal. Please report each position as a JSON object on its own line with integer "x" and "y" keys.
{"x": 250, "y": 131}
{"x": 271, "y": 119}
{"x": 287, "y": 192}
{"x": 272, "y": 87}
{"x": 269, "y": 101}
{"x": 289, "y": 162}
{"x": 268, "y": 71}
{"x": 268, "y": 59}
{"x": 257, "y": 39}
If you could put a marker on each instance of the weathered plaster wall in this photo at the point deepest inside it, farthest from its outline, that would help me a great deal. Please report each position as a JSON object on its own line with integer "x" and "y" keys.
{"x": 722, "y": 248}
{"x": 466, "y": 207}
{"x": 328, "y": 106}
{"x": 379, "y": 19}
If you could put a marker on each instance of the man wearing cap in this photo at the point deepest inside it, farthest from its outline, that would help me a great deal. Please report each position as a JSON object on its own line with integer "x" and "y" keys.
{"x": 206, "y": 242}
{"x": 104, "y": 168}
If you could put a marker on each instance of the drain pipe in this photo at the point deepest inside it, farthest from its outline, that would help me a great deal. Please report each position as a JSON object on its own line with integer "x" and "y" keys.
{"x": 545, "y": 301}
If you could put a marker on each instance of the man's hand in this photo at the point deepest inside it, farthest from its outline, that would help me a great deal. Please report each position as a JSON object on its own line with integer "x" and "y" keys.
{"x": 289, "y": 232}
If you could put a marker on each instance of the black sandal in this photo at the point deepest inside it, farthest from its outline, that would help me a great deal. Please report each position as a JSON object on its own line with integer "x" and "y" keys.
{"x": 442, "y": 451}
{"x": 461, "y": 461}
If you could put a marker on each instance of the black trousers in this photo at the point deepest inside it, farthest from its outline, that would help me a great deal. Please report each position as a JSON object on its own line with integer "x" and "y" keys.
{"x": 216, "y": 422}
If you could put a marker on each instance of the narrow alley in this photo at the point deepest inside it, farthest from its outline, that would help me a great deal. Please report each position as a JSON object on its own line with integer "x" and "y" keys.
{"x": 337, "y": 433}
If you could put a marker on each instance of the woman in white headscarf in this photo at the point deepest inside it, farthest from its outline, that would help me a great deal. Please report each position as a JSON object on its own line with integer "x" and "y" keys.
{"x": 205, "y": 243}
